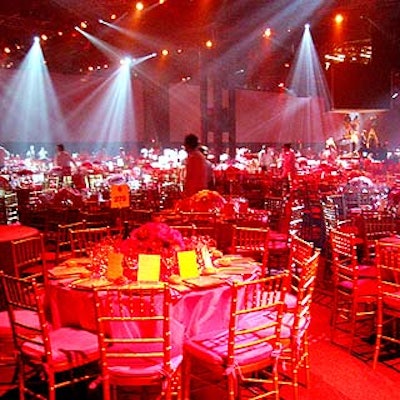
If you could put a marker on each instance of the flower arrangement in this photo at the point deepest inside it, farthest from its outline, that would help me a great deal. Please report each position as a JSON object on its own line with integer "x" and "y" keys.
{"x": 203, "y": 201}
{"x": 149, "y": 238}
{"x": 154, "y": 238}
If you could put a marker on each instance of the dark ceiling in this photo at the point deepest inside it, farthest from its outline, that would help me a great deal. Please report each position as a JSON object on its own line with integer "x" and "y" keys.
{"x": 235, "y": 26}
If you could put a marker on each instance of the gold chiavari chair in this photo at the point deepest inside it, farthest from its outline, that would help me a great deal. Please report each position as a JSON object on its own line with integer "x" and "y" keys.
{"x": 375, "y": 226}
{"x": 82, "y": 240}
{"x": 146, "y": 359}
{"x": 250, "y": 343}
{"x": 56, "y": 358}
{"x": 29, "y": 256}
{"x": 186, "y": 230}
{"x": 354, "y": 289}
{"x": 59, "y": 240}
{"x": 251, "y": 242}
{"x": 388, "y": 312}
{"x": 296, "y": 322}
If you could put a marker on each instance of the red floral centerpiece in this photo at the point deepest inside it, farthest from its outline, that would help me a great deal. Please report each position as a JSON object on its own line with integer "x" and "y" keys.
{"x": 203, "y": 201}
{"x": 153, "y": 238}
{"x": 150, "y": 238}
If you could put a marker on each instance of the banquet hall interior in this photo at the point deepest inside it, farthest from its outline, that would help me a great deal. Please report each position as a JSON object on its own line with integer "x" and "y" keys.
{"x": 277, "y": 277}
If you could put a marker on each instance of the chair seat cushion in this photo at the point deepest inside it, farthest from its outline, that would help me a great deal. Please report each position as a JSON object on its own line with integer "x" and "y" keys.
{"x": 278, "y": 236}
{"x": 151, "y": 368}
{"x": 212, "y": 348}
{"x": 278, "y": 246}
{"x": 290, "y": 301}
{"x": 368, "y": 271}
{"x": 5, "y": 327}
{"x": 392, "y": 301}
{"x": 366, "y": 287}
{"x": 70, "y": 347}
{"x": 21, "y": 315}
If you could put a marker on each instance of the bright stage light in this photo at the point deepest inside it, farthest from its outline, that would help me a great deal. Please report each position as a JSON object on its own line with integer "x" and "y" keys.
{"x": 126, "y": 61}
{"x": 30, "y": 93}
{"x": 164, "y": 52}
{"x": 339, "y": 18}
{"x": 209, "y": 44}
{"x": 267, "y": 32}
{"x": 139, "y": 6}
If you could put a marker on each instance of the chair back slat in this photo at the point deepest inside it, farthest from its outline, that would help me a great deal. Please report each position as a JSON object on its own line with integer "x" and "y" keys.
{"x": 82, "y": 240}
{"x": 134, "y": 323}
{"x": 25, "y": 297}
{"x": 344, "y": 255}
{"x": 255, "y": 316}
{"x": 28, "y": 256}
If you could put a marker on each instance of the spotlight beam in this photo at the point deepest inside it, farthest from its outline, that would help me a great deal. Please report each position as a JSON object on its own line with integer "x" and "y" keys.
{"x": 111, "y": 51}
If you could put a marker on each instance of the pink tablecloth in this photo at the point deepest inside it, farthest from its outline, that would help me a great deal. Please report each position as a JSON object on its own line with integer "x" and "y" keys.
{"x": 192, "y": 312}
{"x": 15, "y": 232}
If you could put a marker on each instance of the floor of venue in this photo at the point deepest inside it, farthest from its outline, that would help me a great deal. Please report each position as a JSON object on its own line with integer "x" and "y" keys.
{"x": 335, "y": 374}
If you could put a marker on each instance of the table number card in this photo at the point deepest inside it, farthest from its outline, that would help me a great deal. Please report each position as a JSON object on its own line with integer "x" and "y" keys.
{"x": 206, "y": 257}
{"x": 149, "y": 266}
{"x": 119, "y": 196}
{"x": 187, "y": 262}
{"x": 114, "y": 270}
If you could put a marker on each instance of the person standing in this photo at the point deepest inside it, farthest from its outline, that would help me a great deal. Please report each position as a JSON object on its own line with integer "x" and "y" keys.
{"x": 288, "y": 160}
{"x": 266, "y": 158}
{"x": 4, "y": 155}
{"x": 196, "y": 169}
{"x": 64, "y": 160}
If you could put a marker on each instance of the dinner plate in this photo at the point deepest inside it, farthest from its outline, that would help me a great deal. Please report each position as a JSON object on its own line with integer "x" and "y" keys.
{"x": 229, "y": 260}
{"x": 64, "y": 271}
{"x": 203, "y": 282}
{"x": 237, "y": 270}
{"x": 73, "y": 262}
{"x": 89, "y": 283}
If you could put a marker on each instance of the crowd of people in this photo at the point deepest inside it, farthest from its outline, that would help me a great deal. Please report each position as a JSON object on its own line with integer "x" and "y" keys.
{"x": 196, "y": 163}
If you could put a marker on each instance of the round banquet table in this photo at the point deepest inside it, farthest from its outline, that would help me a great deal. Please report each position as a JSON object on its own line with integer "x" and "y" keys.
{"x": 394, "y": 240}
{"x": 8, "y": 233}
{"x": 193, "y": 310}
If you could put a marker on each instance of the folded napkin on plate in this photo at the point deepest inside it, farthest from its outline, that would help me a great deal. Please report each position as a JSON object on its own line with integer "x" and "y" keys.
{"x": 204, "y": 282}
{"x": 73, "y": 262}
{"x": 228, "y": 260}
{"x": 65, "y": 271}
{"x": 235, "y": 269}
{"x": 87, "y": 283}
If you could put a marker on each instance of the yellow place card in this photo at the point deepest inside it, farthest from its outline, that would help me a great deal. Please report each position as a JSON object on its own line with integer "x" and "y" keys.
{"x": 187, "y": 262}
{"x": 149, "y": 266}
{"x": 114, "y": 270}
{"x": 206, "y": 257}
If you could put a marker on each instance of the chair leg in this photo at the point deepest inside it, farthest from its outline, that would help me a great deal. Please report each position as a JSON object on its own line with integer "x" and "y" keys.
{"x": 186, "y": 369}
{"x": 232, "y": 385}
{"x": 306, "y": 362}
{"x": 378, "y": 340}
{"x": 21, "y": 379}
